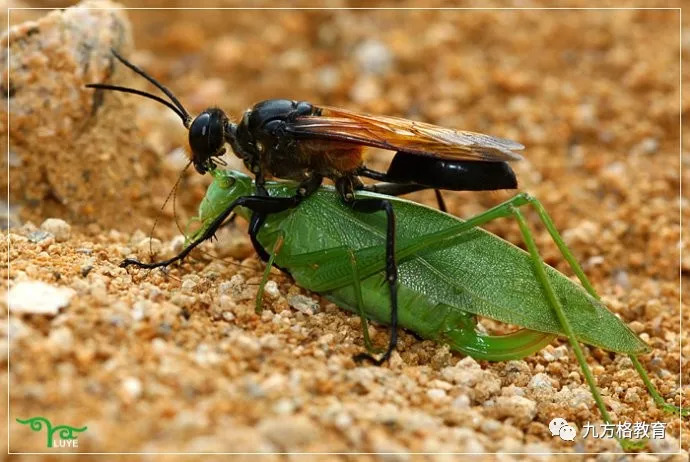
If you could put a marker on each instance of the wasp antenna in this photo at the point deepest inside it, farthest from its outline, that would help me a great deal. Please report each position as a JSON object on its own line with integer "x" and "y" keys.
{"x": 105, "y": 86}
{"x": 186, "y": 119}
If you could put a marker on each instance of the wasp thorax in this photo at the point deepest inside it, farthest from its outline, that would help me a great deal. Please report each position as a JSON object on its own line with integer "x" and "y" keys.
{"x": 207, "y": 138}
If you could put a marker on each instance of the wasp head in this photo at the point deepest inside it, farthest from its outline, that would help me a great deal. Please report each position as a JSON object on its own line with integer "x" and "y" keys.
{"x": 207, "y": 138}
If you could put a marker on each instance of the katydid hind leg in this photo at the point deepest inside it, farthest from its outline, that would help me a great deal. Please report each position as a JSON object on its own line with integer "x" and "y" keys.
{"x": 579, "y": 272}
{"x": 549, "y": 292}
{"x": 264, "y": 278}
{"x": 372, "y": 206}
{"x": 360, "y": 304}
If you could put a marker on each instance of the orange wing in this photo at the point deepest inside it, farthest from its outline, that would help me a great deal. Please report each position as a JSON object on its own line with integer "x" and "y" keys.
{"x": 397, "y": 134}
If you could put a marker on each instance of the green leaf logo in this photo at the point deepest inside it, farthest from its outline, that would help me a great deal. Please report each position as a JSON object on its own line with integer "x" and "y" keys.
{"x": 64, "y": 431}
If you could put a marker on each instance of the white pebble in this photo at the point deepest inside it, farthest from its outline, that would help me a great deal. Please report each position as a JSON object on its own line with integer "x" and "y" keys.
{"x": 436, "y": 394}
{"x": 58, "y": 228}
{"x": 188, "y": 285}
{"x": 520, "y": 409}
{"x": 461, "y": 402}
{"x": 132, "y": 386}
{"x": 284, "y": 407}
{"x": 271, "y": 289}
{"x": 304, "y": 304}
{"x": 37, "y": 297}
{"x": 61, "y": 338}
{"x": 148, "y": 246}
{"x": 373, "y": 57}
{"x": 343, "y": 421}
{"x": 541, "y": 382}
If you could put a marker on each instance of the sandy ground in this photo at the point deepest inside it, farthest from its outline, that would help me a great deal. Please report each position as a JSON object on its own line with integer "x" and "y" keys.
{"x": 179, "y": 362}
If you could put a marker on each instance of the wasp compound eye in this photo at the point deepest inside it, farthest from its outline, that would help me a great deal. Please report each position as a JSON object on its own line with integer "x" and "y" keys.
{"x": 207, "y": 138}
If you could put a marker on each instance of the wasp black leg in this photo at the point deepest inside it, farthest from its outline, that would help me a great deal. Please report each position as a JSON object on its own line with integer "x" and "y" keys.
{"x": 440, "y": 201}
{"x": 304, "y": 190}
{"x": 257, "y": 221}
{"x": 406, "y": 188}
{"x": 258, "y": 204}
{"x": 371, "y": 206}
{"x": 344, "y": 186}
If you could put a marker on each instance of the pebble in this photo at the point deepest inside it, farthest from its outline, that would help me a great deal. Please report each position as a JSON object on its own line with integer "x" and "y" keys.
{"x": 522, "y": 410}
{"x": 86, "y": 268}
{"x": 436, "y": 394}
{"x": 540, "y": 383}
{"x": 284, "y": 407}
{"x": 343, "y": 420}
{"x": 148, "y": 246}
{"x": 176, "y": 245}
{"x": 461, "y": 402}
{"x": 58, "y": 228}
{"x": 38, "y": 235}
{"x": 235, "y": 287}
{"x": 553, "y": 354}
{"x": 288, "y": 432}
{"x": 666, "y": 444}
{"x": 188, "y": 285}
{"x": 37, "y": 297}
{"x": 61, "y": 338}
{"x": 374, "y": 57}
{"x": 304, "y": 304}
{"x": 365, "y": 89}
{"x": 132, "y": 387}
{"x": 271, "y": 289}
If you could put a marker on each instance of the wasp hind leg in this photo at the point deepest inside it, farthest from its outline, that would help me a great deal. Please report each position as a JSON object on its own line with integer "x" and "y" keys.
{"x": 345, "y": 187}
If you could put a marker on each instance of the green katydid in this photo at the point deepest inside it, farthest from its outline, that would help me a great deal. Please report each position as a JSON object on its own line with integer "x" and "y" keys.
{"x": 449, "y": 271}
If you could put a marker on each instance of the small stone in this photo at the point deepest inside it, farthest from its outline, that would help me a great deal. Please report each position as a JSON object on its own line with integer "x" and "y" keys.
{"x": 284, "y": 407}
{"x": 139, "y": 309}
{"x": 373, "y": 57}
{"x": 522, "y": 410}
{"x": 132, "y": 387}
{"x": 365, "y": 89}
{"x": 58, "y": 228}
{"x": 61, "y": 338}
{"x": 38, "y": 235}
{"x": 304, "y": 304}
{"x": 148, "y": 246}
{"x": 235, "y": 287}
{"x": 228, "y": 316}
{"x": 271, "y": 289}
{"x": 461, "y": 402}
{"x": 188, "y": 285}
{"x": 540, "y": 383}
{"x": 436, "y": 394}
{"x": 553, "y": 354}
{"x": 176, "y": 245}
{"x": 343, "y": 420}
{"x": 666, "y": 444}
{"x": 289, "y": 432}
{"x": 85, "y": 269}
{"x": 38, "y": 298}
{"x": 328, "y": 78}
{"x": 206, "y": 356}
